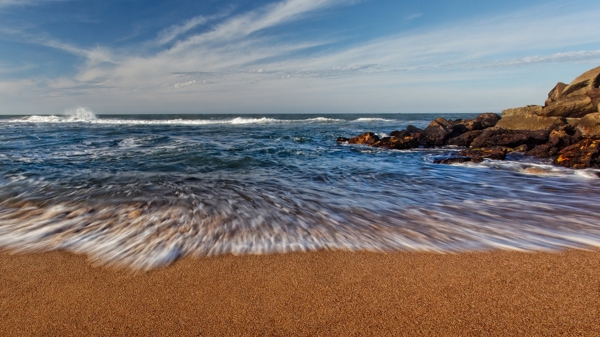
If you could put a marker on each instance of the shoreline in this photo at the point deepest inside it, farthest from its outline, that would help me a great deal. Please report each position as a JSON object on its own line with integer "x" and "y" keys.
{"x": 318, "y": 293}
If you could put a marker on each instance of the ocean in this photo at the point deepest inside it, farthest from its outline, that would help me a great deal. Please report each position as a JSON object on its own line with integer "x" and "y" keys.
{"x": 140, "y": 191}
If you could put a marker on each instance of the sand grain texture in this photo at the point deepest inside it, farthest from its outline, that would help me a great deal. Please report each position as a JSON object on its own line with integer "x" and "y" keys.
{"x": 310, "y": 294}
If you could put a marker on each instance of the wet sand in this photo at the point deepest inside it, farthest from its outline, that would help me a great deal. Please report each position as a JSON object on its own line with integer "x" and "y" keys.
{"x": 307, "y": 294}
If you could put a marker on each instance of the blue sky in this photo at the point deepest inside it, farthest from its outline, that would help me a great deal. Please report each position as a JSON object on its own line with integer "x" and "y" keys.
{"x": 296, "y": 56}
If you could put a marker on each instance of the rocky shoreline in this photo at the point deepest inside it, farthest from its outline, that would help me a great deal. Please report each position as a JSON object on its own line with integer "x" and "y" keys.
{"x": 565, "y": 129}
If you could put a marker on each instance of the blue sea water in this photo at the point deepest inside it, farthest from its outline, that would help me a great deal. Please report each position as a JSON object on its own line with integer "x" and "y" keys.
{"x": 143, "y": 190}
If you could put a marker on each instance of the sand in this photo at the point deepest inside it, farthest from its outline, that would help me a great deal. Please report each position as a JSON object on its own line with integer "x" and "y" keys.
{"x": 307, "y": 294}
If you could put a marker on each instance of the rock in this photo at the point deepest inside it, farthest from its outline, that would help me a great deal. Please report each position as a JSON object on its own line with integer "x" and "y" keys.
{"x": 589, "y": 126}
{"x": 411, "y": 130}
{"x": 520, "y": 148}
{"x": 476, "y": 155}
{"x": 368, "y": 138}
{"x": 571, "y": 106}
{"x": 564, "y": 136}
{"x": 397, "y": 143}
{"x": 483, "y": 121}
{"x": 341, "y": 139}
{"x": 543, "y": 151}
{"x": 572, "y": 121}
{"x": 535, "y": 110}
{"x": 465, "y": 139}
{"x": 528, "y": 122}
{"x": 588, "y": 80}
{"x": 509, "y": 138}
{"x": 452, "y": 160}
{"x": 583, "y": 154}
{"x": 556, "y": 92}
{"x": 436, "y": 133}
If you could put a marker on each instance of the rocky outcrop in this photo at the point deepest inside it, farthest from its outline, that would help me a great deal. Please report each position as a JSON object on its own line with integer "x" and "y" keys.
{"x": 566, "y": 129}
{"x": 368, "y": 138}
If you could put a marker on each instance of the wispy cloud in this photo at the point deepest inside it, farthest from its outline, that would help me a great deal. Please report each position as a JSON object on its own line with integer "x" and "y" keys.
{"x": 243, "y": 56}
{"x": 7, "y": 3}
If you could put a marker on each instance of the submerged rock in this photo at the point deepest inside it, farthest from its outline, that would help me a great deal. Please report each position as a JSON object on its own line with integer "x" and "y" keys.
{"x": 477, "y": 155}
{"x": 368, "y": 138}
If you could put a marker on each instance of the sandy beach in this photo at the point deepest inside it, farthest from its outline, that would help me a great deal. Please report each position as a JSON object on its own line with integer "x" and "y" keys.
{"x": 306, "y": 294}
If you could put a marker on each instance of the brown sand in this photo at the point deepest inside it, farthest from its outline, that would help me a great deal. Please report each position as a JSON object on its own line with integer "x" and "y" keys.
{"x": 312, "y": 294}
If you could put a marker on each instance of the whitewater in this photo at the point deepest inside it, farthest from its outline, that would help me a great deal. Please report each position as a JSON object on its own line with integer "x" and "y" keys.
{"x": 141, "y": 191}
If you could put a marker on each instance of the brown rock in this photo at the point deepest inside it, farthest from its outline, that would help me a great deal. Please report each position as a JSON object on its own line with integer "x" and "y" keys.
{"x": 543, "y": 151}
{"x": 583, "y": 154}
{"x": 436, "y": 133}
{"x": 495, "y": 152}
{"x": 584, "y": 82}
{"x": 589, "y": 126}
{"x": 368, "y": 138}
{"x": 465, "y": 139}
{"x": 483, "y": 121}
{"x": 341, "y": 139}
{"x": 556, "y": 92}
{"x": 570, "y": 106}
{"x": 528, "y": 122}
{"x": 509, "y": 138}
{"x": 397, "y": 143}
{"x": 535, "y": 110}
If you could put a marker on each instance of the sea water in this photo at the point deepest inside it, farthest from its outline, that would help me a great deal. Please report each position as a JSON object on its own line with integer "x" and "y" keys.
{"x": 143, "y": 190}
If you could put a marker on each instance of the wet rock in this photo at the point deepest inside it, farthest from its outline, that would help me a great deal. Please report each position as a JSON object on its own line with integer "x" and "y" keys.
{"x": 563, "y": 136}
{"x": 529, "y": 122}
{"x": 437, "y": 132}
{"x": 583, "y": 154}
{"x": 529, "y": 110}
{"x": 368, "y": 138}
{"x": 411, "y": 130}
{"x": 520, "y": 148}
{"x": 509, "y": 138}
{"x": 398, "y": 143}
{"x": 452, "y": 160}
{"x": 465, "y": 139}
{"x": 589, "y": 126}
{"x": 342, "y": 139}
{"x": 570, "y": 106}
{"x": 483, "y": 121}
{"x": 543, "y": 151}
{"x": 478, "y": 154}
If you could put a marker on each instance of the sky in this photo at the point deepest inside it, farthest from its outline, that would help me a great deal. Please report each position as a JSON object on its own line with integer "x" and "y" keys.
{"x": 290, "y": 56}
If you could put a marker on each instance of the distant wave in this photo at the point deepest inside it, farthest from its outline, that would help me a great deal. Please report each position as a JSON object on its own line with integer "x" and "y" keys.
{"x": 81, "y": 117}
{"x": 373, "y": 120}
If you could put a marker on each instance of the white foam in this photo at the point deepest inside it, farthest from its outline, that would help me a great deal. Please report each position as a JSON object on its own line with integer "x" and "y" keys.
{"x": 373, "y": 120}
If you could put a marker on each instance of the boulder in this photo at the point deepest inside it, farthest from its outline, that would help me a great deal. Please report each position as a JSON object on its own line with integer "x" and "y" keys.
{"x": 411, "y": 130}
{"x": 543, "y": 151}
{"x": 368, "y": 138}
{"x": 589, "y": 126}
{"x": 509, "y": 138}
{"x": 398, "y": 143}
{"x": 436, "y": 133}
{"x": 483, "y": 121}
{"x": 535, "y": 110}
{"x": 556, "y": 92}
{"x": 477, "y": 155}
{"x": 465, "y": 139}
{"x": 584, "y": 82}
{"x": 583, "y": 154}
{"x": 570, "y": 106}
{"x": 528, "y": 122}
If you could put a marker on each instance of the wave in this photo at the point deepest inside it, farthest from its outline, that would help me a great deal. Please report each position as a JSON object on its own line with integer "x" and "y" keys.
{"x": 374, "y": 120}
{"x": 81, "y": 117}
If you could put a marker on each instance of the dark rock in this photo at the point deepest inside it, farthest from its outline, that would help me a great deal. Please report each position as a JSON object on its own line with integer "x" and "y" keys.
{"x": 509, "y": 138}
{"x": 520, "y": 148}
{"x": 436, "y": 133}
{"x": 494, "y": 152}
{"x": 341, "y": 139}
{"x": 452, "y": 160}
{"x": 413, "y": 129}
{"x": 465, "y": 139}
{"x": 543, "y": 151}
{"x": 397, "y": 143}
{"x": 483, "y": 121}
{"x": 368, "y": 138}
{"x": 563, "y": 137}
{"x": 570, "y": 106}
{"x": 583, "y": 154}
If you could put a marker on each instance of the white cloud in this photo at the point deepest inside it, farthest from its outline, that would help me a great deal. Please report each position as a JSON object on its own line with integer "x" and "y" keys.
{"x": 7, "y": 3}
{"x": 249, "y": 69}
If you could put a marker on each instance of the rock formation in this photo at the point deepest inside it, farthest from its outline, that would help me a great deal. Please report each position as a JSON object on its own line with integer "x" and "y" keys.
{"x": 566, "y": 129}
